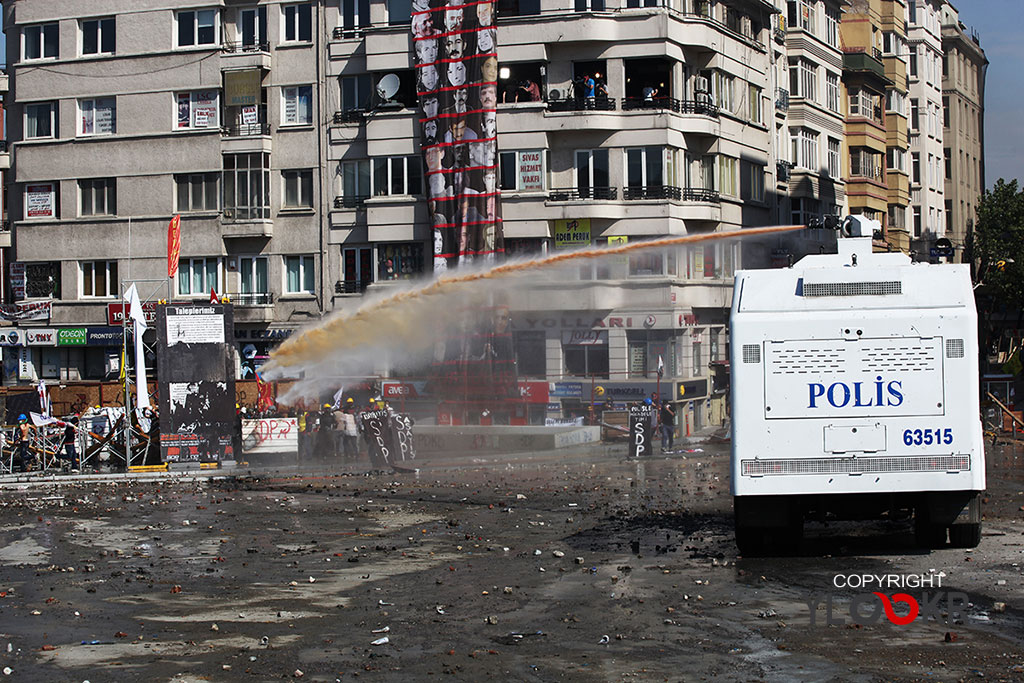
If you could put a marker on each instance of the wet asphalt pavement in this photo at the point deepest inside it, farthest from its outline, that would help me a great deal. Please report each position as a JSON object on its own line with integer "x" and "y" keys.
{"x": 581, "y": 566}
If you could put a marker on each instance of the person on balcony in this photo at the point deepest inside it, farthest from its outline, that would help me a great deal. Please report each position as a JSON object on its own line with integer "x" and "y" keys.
{"x": 650, "y": 92}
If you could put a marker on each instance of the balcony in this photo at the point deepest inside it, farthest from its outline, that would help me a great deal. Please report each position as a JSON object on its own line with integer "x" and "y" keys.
{"x": 246, "y": 130}
{"x": 349, "y": 116}
{"x": 254, "y": 307}
{"x": 239, "y": 56}
{"x": 351, "y": 286}
{"x": 5, "y": 234}
{"x": 241, "y": 228}
{"x": 637, "y": 192}
{"x": 5, "y": 156}
{"x": 582, "y": 104}
{"x": 699, "y": 194}
{"x": 782, "y": 99}
{"x": 678, "y": 106}
{"x": 780, "y": 35}
{"x": 584, "y": 194}
{"x": 340, "y": 33}
{"x": 858, "y": 60}
{"x": 351, "y": 202}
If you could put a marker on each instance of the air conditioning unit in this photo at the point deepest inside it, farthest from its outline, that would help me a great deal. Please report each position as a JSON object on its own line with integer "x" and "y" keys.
{"x": 700, "y": 84}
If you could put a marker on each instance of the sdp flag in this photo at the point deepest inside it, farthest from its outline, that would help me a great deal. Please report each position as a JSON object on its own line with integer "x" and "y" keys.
{"x": 173, "y": 245}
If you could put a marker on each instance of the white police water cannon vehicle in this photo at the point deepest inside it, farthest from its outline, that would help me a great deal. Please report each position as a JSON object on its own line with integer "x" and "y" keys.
{"x": 855, "y": 395}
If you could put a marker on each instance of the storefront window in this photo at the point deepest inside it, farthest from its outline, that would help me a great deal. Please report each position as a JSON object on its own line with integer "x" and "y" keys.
{"x": 400, "y": 261}
{"x": 587, "y": 359}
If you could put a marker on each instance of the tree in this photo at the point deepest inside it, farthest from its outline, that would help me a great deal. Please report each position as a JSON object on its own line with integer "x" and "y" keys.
{"x": 997, "y": 245}
{"x": 996, "y": 249}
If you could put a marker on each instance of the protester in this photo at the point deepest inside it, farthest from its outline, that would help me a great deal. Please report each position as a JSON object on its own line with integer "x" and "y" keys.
{"x": 70, "y": 447}
{"x": 22, "y": 434}
{"x": 325, "y": 432}
{"x": 650, "y": 92}
{"x": 350, "y": 433}
{"x": 668, "y": 426}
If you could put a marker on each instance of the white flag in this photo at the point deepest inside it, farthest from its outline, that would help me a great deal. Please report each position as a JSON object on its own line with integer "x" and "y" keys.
{"x": 661, "y": 367}
{"x": 131, "y": 297}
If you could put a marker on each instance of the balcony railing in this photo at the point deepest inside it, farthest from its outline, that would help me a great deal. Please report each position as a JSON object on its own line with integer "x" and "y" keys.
{"x": 703, "y": 107}
{"x": 700, "y": 194}
{"x": 349, "y": 116}
{"x": 253, "y": 299}
{"x": 582, "y": 104}
{"x": 350, "y": 201}
{"x": 340, "y": 33}
{"x": 780, "y": 34}
{"x": 351, "y": 286}
{"x": 244, "y": 130}
{"x": 782, "y": 99}
{"x": 240, "y": 46}
{"x": 583, "y": 194}
{"x": 634, "y": 192}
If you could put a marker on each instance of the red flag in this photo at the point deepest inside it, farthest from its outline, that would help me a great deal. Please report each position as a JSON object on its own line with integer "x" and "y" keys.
{"x": 173, "y": 245}
{"x": 214, "y": 299}
{"x": 264, "y": 394}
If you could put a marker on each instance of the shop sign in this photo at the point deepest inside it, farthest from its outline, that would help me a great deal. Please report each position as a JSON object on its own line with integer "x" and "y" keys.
{"x": 71, "y": 336}
{"x": 115, "y": 313}
{"x": 40, "y": 337}
{"x": 394, "y": 391}
{"x": 531, "y": 169}
{"x": 585, "y": 337}
{"x": 565, "y": 389}
{"x": 571, "y": 233}
{"x": 279, "y": 333}
{"x": 694, "y": 388}
{"x": 105, "y": 336}
{"x": 37, "y": 310}
{"x": 11, "y": 338}
{"x": 533, "y": 392}
{"x": 624, "y": 391}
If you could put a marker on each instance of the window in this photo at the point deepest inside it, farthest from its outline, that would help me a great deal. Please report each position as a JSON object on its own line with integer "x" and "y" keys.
{"x": 804, "y": 146}
{"x": 591, "y": 171}
{"x": 585, "y": 360}
{"x": 723, "y": 94}
{"x": 97, "y": 117}
{"x": 646, "y": 263}
{"x": 41, "y": 200}
{"x": 98, "y": 197}
{"x": 354, "y": 14}
{"x": 913, "y": 61}
{"x": 896, "y": 101}
{"x": 297, "y": 103}
{"x": 299, "y": 275}
{"x": 355, "y": 92}
{"x": 298, "y": 189}
{"x": 39, "y": 42}
{"x": 832, "y": 91}
{"x": 197, "y": 276}
{"x": 896, "y": 159}
{"x": 531, "y": 353}
{"x": 803, "y": 79}
{"x": 99, "y": 278}
{"x": 399, "y": 12}
{"x": 98, "y": 36}
{"x": 298, "y": 23}
{"x": 833, "y": 158}
{"x": 517, "y": 8}
{"x": 646, "y": 347}
{"x": 644, "y": 167}
{"x": 252, "y": 27}
{"x": 727, "y": 175}
{"x": 355, "y": 182}
{"x": 196, "y": 192}
{"x": 864, "y": 164}
{"x": 358, "y": 266}
{"x": 253, "y": 280}
{"x": 247, "y": 186}
{"x": 40, "y": 120}
{"x": 754, "y": 103}
{"x": 399, "y": 261}
{"x": 397, "y": 176}
{"x": 590, "y": 5}
{"x": 945, "y": 112}
{"x": 832, "y": 27}
{"x": 917, "y": 221}
{"x": 751, "y": 181}
{"x": 198, "y": 27}
{"x": 915, "y": 166}
{"x": 804, "y": 209}
{"x": 801, "y": 14}
{"x": 523, "y": 170}
{"x": 862, "y": 103}
{"x": 198, "y": 109}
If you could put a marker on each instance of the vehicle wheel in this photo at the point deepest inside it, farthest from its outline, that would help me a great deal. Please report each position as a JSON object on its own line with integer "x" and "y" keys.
{"x": 965, "y": 535}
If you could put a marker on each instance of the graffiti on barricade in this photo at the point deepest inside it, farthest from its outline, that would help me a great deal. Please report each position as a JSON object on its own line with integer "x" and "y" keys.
{"x": 270, "y": 435}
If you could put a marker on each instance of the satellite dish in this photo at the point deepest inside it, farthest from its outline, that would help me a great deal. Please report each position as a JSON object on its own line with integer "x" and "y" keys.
{"x": 388, "y": 86}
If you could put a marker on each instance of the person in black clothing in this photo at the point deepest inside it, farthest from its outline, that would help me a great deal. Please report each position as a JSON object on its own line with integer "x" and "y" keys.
{"x": 70, "y": 447}
{"x": 667, "y": 425}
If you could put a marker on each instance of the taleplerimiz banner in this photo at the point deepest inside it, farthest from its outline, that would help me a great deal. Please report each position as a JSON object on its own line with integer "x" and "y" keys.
{"x": 457, "y": 72}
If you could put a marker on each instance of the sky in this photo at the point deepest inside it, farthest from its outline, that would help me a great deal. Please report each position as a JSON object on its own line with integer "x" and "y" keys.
{"x": 1000, "y": 24}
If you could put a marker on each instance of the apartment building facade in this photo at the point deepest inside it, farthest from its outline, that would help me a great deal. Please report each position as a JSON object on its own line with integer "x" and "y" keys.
{"x": 927, "y": 205}
{"x": 963, "y": 126}
{"x": 155, "y": 108}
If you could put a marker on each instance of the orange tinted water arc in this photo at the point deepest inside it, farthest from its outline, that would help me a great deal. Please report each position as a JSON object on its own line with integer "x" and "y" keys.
{"x": 393, "y": 316}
